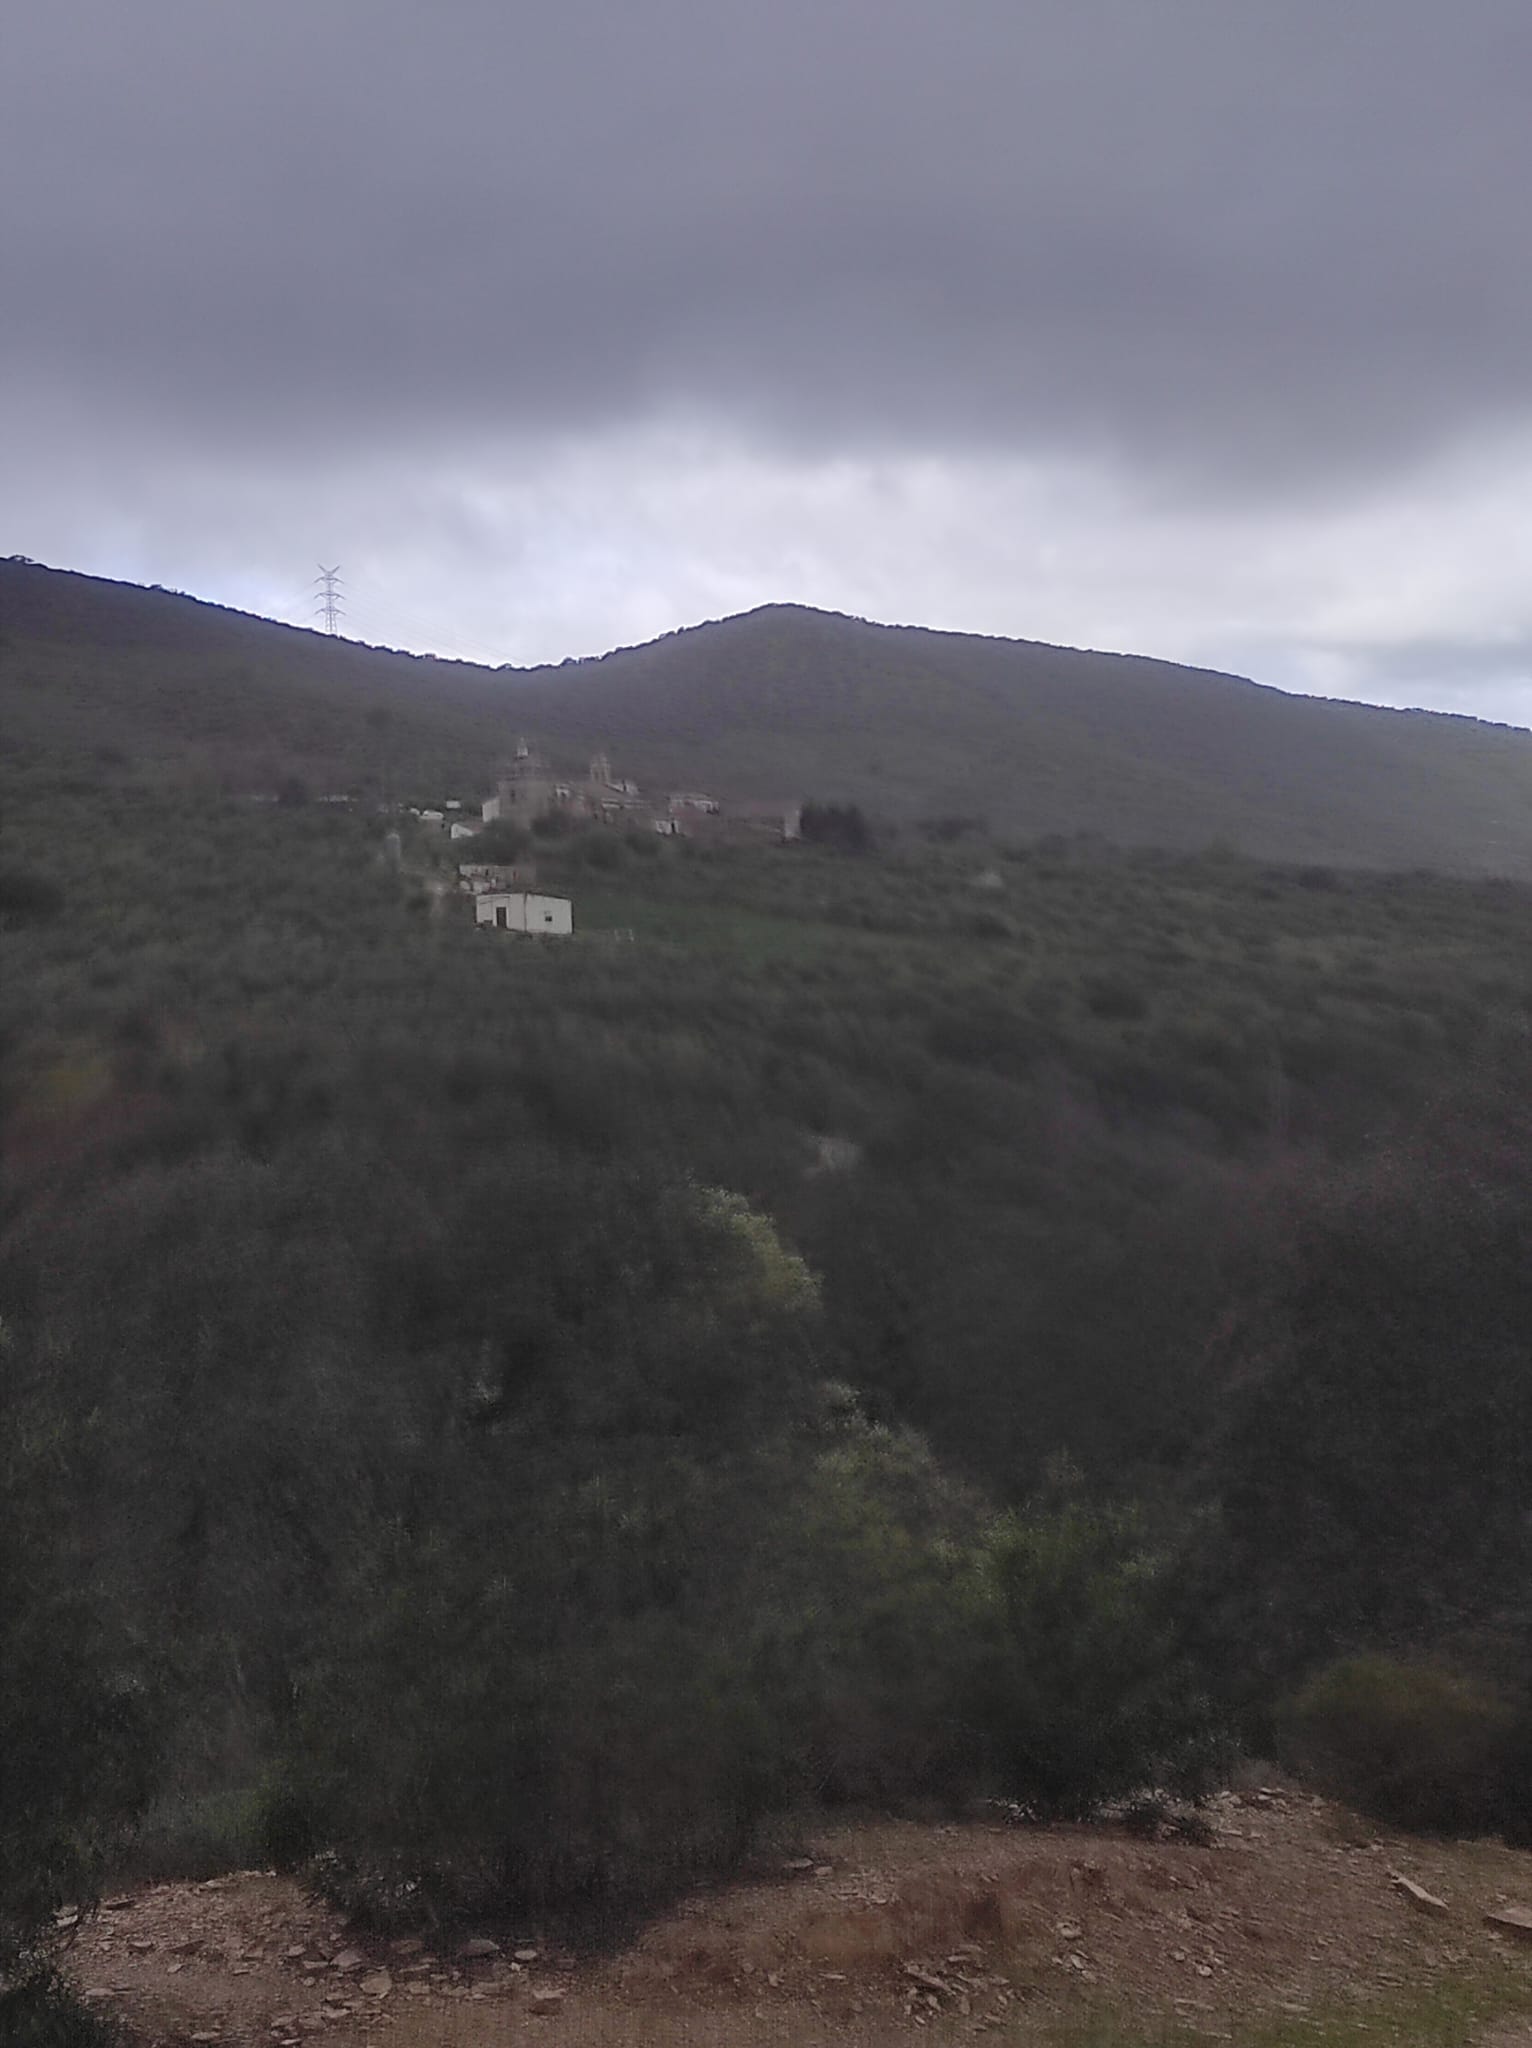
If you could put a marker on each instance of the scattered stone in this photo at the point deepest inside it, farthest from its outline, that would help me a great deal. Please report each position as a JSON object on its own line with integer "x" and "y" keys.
{"x": 1417, "y": 1896}
{"x": 547, "y": 1998}
{"x": 124, "y": 1904}
{"x": 349, "y": 1959}
{"x": 480, "y": 1949}
{"x": 377, "y": 1985}
{"x": 407, "y": 1945}
{"x": 98, "y": 1993}
{"x": 141, "y": 1945}
{"x": 1513, "y": 1920}
{"x": 526, "y": 1955}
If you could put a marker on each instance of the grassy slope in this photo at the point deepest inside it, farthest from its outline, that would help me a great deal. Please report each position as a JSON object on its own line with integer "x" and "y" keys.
{"x": 781, "y": 702}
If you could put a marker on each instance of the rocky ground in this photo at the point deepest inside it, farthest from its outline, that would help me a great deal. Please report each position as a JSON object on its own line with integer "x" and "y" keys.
{"x": 875, "y": 1933}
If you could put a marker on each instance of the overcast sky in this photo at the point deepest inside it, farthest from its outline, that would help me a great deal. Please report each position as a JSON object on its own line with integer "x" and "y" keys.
{"x": 1200, "y": 328}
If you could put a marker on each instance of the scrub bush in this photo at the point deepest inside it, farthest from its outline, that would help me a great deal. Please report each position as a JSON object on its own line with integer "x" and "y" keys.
{"x": 1413, "y": 1745}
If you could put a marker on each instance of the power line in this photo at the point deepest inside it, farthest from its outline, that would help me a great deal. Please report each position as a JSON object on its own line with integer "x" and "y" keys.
{"x": 328, "y": 602}
{"x": 404, "y": 627}
{"x": 294, "y": 610}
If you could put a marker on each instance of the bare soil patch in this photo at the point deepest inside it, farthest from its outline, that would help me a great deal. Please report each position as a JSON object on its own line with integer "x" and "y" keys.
{"x": 874, "y": 1933}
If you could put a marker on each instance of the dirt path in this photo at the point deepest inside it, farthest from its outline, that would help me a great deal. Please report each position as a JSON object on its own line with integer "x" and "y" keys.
{"x": 876, "y": 1934}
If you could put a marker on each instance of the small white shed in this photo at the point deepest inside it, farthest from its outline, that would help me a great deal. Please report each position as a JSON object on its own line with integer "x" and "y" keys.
{"x": 517, "y": 910}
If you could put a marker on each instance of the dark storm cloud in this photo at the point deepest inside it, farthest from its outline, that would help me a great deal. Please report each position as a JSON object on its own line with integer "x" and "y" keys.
{"x": 1257, "y": 243}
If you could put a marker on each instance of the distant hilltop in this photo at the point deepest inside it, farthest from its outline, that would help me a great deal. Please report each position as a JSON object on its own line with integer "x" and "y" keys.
{"x": 905, "y": 723}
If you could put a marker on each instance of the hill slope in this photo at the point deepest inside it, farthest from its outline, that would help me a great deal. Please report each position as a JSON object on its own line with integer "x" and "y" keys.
{"x": 780, "y": 702}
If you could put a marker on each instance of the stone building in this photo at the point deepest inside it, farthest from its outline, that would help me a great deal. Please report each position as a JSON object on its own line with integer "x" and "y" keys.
{"x": 525, "y": 789}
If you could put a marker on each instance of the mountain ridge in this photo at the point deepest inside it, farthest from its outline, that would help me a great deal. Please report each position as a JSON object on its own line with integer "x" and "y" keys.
{"x": 781, "y": 700}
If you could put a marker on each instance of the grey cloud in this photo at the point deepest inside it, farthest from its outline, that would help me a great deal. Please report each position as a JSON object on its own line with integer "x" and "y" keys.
{"x": 1472, "y": 676}
{"x": 1268, "y": 247}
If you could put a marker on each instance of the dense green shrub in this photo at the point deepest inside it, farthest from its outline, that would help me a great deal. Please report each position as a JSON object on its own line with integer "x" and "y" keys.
{"x": 1374, "y": 1459}
{"x": 657, "y": 1583}
{"x": 598, "y": 848}
{"x": 501, "y": 840}
{"x": 1409, "y": 1744}
{"x": 75, "y": 1732}
{"x": 39, "y": 2009}
{"x": 1087, "y": 1694}
{"x": 642, "y": 1671}
{"x": 27, "y": 898}
{"x": 842, "y": 827}
{"x": 886, "y": 1577}
{"x": 1114, "y": 997}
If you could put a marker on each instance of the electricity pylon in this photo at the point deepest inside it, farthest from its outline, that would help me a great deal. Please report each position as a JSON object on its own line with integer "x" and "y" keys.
{"x": 328, "y": 601}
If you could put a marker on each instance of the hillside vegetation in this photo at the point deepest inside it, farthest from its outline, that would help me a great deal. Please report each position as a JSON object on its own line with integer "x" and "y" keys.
{"x": 496, "y": 1424}
{"x": 906, "y": 722}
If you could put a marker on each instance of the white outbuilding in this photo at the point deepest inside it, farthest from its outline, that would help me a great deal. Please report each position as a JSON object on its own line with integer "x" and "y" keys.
{"x": 517, "y": 910}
